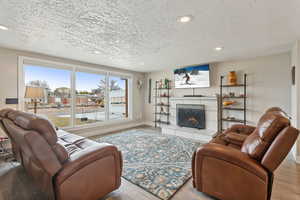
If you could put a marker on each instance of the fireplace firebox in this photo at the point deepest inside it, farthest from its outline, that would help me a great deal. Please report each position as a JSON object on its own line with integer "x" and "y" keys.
{"x": 190, "y": 115}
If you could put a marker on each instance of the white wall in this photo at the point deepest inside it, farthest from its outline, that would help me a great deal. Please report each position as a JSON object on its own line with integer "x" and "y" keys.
{"x": 269, "y": 83}
{"x": 9, "y": 78}
{"x": 295, "y": 95}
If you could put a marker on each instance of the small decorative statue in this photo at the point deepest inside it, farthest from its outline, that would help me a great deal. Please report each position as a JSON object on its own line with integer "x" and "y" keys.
{"x": 166, "y": 83}
{"x": 140, "y": 84}
{"x": 161, "y": 83}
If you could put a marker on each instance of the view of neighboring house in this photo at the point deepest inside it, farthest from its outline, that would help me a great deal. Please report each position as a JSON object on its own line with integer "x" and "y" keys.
{"x": 90, "y": 103}
{"x": 117, "y": 96}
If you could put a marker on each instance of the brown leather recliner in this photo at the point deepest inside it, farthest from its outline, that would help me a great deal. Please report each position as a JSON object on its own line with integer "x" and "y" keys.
{"x": 238, "y": 164}
{"x": 65, "y": 166}
{"x": 14, "y": 146}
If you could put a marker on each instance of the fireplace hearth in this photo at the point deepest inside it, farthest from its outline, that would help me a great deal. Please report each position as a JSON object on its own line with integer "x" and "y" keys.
{"x": 190, "y": 115}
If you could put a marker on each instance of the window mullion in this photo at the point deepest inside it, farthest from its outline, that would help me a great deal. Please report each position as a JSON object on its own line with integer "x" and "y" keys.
{"x": 107, "y": 97}
{"x": 73, "y": 97}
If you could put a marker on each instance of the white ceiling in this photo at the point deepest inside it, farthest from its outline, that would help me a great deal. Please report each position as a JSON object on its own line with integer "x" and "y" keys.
{"x": 144, "y": 35}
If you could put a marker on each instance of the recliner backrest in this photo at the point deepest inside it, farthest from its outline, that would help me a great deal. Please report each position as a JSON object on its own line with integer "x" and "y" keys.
{"x": 3, "y": 114}
{"x": 268, "y": 127}
{"x": 42, "y": 126}
{"x": 39, "y": 124}
{"x": 14, "y": 145}
{"x": 280, "y": 148}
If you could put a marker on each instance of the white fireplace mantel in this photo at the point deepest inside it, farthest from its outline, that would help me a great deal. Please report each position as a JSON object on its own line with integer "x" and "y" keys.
{"x": 211, "y": 115}
{"x": 194, "y": 98}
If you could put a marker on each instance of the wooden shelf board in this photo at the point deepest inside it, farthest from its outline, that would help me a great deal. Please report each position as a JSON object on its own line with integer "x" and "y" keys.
{"x": 163, "y": 105}
{"x": 233, "y": 120}
{"x": 162, "y": 88}
{"x": 238, "y": 85}
{"x": 237, "y": 109}
{"x": 162, "y": 122}
{"x": 162, "y": 114}
{"x": 224, "y": 97}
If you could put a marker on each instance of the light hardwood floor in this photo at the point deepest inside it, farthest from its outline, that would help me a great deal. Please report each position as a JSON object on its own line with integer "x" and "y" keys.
{"x": 16, "y": 185}
{"x": 286, "y": 187}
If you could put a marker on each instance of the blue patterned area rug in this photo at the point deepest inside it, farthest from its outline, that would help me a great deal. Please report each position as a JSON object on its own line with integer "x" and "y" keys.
{"x": 160, "y": 164}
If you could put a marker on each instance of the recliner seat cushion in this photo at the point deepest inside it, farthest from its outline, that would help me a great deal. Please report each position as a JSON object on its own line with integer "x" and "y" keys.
{"x": 269, "y": 126}
{"x": 235, "y": 138}
{"x": 229, "y": 139}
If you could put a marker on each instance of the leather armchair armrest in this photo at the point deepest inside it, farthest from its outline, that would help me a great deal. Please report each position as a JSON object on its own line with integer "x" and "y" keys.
{"x": 241, "y": 129}
{"x": 235, "y": 138}
{"x": 88, "y": 156}
{"x": 229, "y": 155}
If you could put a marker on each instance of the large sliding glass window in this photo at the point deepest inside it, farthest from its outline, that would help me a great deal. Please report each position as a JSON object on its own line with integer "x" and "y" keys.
{"x": 55, "y": 102}
{"x": 118, "y": 97}
{"x": 71, "y": 96}
{"x": 90, "y": 98}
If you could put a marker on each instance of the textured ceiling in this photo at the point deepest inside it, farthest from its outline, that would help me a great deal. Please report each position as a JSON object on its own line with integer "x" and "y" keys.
{"x": 144, "y": 35}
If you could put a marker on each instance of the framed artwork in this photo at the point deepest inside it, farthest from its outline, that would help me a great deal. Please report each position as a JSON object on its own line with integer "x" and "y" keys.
{"x": 150, "y": 88}
{"x": 293, "y": 75}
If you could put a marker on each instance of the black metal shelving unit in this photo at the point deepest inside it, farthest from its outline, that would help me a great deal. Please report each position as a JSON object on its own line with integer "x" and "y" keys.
{"x": 162, "y": 102}
{"x": 223, "y": 97}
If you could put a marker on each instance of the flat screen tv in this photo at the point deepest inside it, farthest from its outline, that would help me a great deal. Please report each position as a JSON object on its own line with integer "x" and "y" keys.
{"x": 192, "y": 77}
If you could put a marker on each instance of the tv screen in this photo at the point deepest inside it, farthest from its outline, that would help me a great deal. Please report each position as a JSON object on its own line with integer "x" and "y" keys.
{"x": 192, "y": 77}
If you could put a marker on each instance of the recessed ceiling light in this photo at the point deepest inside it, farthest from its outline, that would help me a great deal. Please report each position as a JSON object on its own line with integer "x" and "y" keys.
{"x": 185, "y": 19}
{"x": 4, "y": 28}
{"x": 96, "y": 52}
{"x": 219, "y": 48}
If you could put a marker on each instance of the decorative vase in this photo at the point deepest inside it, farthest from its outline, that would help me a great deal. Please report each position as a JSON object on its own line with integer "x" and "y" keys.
{"x": 232, "y": 78}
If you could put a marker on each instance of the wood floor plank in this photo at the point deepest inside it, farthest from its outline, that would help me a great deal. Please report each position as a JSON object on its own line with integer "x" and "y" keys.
{"x": 286, "y": 187}
{"x": 16, "y": 185}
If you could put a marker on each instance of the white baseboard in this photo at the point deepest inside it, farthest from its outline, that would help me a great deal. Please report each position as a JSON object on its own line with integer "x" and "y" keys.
{"x": 294, "y": 153}
{"x": 102, "y": 130}
{"x": 149, "y": 123}
{"x": 297, "y": 159}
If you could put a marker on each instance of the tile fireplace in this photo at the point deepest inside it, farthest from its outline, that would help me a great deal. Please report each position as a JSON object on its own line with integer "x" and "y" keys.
{"x": 190, "y": 115}
{"x": 193, "y": 117}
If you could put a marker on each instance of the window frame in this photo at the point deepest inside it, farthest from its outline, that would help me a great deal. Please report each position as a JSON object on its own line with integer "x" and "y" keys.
{"x": 129, "y": 92}
{"x": 73, "y": 68}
